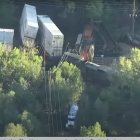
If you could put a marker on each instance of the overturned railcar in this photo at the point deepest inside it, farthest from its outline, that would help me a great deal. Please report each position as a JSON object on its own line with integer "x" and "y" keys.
{"x": 91, "y": 72}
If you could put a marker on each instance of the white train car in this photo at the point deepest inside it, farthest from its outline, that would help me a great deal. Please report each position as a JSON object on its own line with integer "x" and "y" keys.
{"x": 49, "y": 31}
{"x": 28, "y": 24}
{"x": 6, "y": 36}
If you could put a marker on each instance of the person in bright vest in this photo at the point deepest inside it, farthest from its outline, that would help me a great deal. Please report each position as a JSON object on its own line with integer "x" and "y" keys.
{"x": 88, "y": 53}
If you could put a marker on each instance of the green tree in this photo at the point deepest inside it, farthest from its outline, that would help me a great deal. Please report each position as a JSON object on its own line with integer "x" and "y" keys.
{"x": 20, "y": 65}
{"x": 8, "y": 110}
{"x": 94, "y": 9}
{"x": 19, "y": 88}
{"x": 113, "y": 14}
{"x": 86, "y": 110}
{"x": 92, "y": 131}
{"x": 12, "y": 130}
{"x": 32, "y": 124}
{"x": 23, "y": 93}
{"x": 123, "y": 96}
{"x": 91, "y": 109}
{"x": 70, "y": 7}
{"x": 67, "y": 85}
{"x": 25, "y": 99}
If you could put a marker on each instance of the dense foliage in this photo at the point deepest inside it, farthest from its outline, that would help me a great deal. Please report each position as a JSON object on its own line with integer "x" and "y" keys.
{"x": 92, "y": 131}
{"x": 23, "y": 93}
{"x": 116, "y": 107}
{"x": 25, "y": 90}
{"x": 24, "y": 104}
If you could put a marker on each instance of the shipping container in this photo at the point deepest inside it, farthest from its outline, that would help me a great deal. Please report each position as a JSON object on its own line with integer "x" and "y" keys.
{"x": 49, "y": 31}
{"x": 6, "y": 36}
{"x": 28, "y": 23}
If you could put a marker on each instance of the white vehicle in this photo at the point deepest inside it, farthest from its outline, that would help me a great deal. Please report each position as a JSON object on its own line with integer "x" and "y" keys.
{"x": 72, "y": 115}
{"x": 6, "y": 36}
{"x": 28, "y": 23}
{"x": 49, "y": 31}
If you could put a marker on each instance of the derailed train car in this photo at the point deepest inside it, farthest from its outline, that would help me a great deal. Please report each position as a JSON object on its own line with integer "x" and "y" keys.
{"x": 98, "y": 74}
{"x": 91, "y": 72}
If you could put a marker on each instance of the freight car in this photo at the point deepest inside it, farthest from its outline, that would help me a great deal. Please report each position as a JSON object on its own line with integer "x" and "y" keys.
{"x": 28, "y": 24}
{"x": 98, "y": 74}
{"x": 91, "y": 72}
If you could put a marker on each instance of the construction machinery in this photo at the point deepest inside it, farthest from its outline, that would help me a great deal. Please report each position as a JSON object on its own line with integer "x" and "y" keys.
{"x": 86, "y": 46}
{"x": 85, "y": 53}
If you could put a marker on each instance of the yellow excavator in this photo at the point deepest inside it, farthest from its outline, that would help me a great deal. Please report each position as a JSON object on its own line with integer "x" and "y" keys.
{"x": 86, "y": 49}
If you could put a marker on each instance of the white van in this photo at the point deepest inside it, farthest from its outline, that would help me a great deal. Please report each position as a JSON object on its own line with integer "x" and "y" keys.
{"x": 72, "y": 115}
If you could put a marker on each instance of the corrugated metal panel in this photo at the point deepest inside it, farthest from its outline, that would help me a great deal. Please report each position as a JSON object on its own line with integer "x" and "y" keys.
{"x": 57, "y": 45}
{"x": 57, "y": 52}
{"x": 58, "y": 41}
{"x": 1, "y": 35}
{"x": 44, "y": 33}
{"x": 28, "y": 22}
{"x": 22, "y": 32}
{"x": 31, "y": 15}
{"x": 22, "y": 24}
{"x": 48, "y": 47}
{"x": 50, "y": 25}
{"x": 31, "y": 32}
{"x": 6, "y": 36}
{"x": 50, "y": 32}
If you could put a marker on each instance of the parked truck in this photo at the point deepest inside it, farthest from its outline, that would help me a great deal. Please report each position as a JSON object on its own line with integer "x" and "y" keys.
{"x": 28, "y": 24}
{"x": 6, "y": 36}
{"x": 50, "y": 36}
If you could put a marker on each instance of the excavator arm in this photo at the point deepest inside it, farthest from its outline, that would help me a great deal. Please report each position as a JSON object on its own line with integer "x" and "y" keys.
{"x": 111, "y": 37}
{"x": 84, "y": 46}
